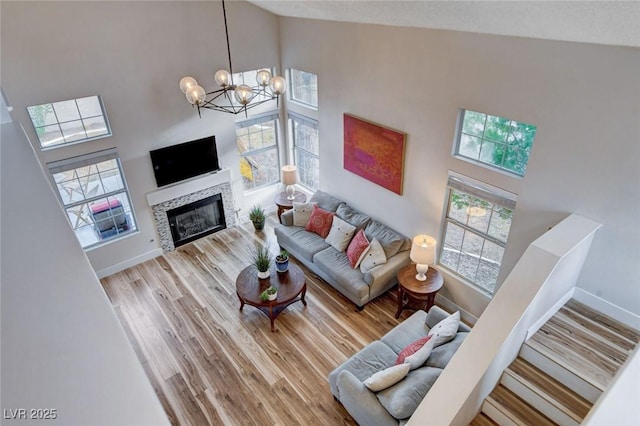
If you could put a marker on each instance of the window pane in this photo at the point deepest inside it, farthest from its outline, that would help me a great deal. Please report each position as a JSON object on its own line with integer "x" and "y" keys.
{"x": 492, "y": 254}
{"x": 308, "y": 169}
{"x": 111, "y": 180}
{"x": 453, "y": 236}
{"x": 304, "y": 87}
{"x": 495, "y": 141}
{"x": 500, "y": 223}
{"x": 69, "y": 121}
{"x": 450, "y": 257}
{"x": 487, "y": 277}
{"x": 306, "y": 137}
{"x": 260, "y": 169}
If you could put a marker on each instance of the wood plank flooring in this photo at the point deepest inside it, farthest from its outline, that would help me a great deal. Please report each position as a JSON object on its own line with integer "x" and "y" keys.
{"x": 209, "y": 363}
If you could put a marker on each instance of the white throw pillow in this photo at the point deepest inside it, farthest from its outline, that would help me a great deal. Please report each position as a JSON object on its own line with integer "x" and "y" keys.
{"x": 387, "y": 377}
{"x": 420, "y": 357}
{"x": 374, "y": 257}
{"x": 340, "y": 234}
{"x": 301, "y": 213}
{"x": 445, "y": 330}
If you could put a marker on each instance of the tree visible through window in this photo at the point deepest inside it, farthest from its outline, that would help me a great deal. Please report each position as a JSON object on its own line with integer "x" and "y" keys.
{"x": 475, "y": 233}
{"x": 306, "y": 150}
{"x": 94, "y": 194}
{"x": 257, "y": 141}
{"x": 65, "y": 122}
{"x": 498, "y": 142}
{"x": 304, "y": 87}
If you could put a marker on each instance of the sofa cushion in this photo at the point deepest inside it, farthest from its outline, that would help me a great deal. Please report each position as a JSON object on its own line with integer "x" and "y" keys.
{"x": 402, "y": 399}
{"x": 326, "y": 201}
{"x": 374, "y": 357}
{"x": 352, "y": 216}
{"x": 441, "y": 355}
{"x": 301, "y": 213}
{"x": 387, "y": 377}
{"x": 340, "y": 234}
{"x": 406, "y": 332}
{"x": 336, "y": 266}
{"x": 303, "y": 243}
{"x": 446, "y": 329}
{"x": 357, "y": 249}
{"x": 375, "y": 257}
{"x": 320, "y": 221}
{"x": 390, "y": 240}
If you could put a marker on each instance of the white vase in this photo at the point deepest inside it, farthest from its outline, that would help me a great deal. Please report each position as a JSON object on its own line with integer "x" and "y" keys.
{"x": 263, "y": 275}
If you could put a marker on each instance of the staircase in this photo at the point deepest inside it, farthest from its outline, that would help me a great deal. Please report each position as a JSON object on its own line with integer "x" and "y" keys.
{"x": 560, "y": 371}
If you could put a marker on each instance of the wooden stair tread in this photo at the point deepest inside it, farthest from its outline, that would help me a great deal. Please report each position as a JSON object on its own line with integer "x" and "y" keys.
{"x": 514, "y": 407}
{"x": 550, "y": 389}
{"x": 482, "y": 420}
{"x": 615, "y": 326}
{"x": 594, "y": 328}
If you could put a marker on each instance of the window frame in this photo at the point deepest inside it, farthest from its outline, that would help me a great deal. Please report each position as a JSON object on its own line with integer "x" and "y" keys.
{"x": 309, "y": 122}
{"x": 292, "y": 97}
{"x": 80, "y": 119}
{"x": 493, "y": 195}
{"x": 257, "y": 119}
{"x": 91, "y": 159}
{"x": 478, "y": 161}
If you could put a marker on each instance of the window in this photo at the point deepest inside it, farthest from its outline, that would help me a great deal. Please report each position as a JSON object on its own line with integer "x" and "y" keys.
{"x": 94, "y": 194}
{"x": 306, "y": 149}
{"x": 250, "y": 79}
{"x": 65, "y": 122}
{"x": 495, "y": 141}
{"x": 304, "y": 88}
{"x": 476, "y": 227}
{"x": 257, "y": 140}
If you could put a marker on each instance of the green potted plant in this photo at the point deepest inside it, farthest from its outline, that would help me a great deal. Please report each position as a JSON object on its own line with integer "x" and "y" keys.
{"x": 256, "y": 215}
{"x": 261, "y": 257}
{"x": 282, "y": 261}
{"x": 271, "y": 293}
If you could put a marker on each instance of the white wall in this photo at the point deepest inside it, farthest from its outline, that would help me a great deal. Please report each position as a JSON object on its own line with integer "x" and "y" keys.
{"x": 583, "y": 99}
{"x": 62, "y": 345}
{"x": 134, "y": 54}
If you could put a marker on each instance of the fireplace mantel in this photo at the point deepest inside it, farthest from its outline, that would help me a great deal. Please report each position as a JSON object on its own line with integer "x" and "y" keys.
{"x": 188, "y": 187}
{"x": 186, "y": 192}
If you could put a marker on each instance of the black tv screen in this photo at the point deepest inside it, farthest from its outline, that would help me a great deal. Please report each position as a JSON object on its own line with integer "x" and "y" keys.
{"x": 186, "y": 160}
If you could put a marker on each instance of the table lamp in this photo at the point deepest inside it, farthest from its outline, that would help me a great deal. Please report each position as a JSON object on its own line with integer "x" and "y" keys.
{"x": 423, "y": 252}
{"x": 290, "y": 178}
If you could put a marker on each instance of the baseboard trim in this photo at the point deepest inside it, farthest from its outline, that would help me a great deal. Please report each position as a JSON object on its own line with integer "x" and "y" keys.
{"x": 129, "y": 263}
{"x": 607, "y": 308}
{"x": 551, "y": 312}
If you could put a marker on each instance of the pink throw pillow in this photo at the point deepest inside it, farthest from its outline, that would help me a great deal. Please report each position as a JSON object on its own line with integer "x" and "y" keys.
{"x": 357, "y": 248}
{"x": 411, "y": 348}
{"x": 320, "y": 221}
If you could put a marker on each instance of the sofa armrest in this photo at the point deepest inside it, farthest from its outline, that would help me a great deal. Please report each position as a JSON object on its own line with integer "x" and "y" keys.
{"x": 361, "y": 403}
{"x": 286, "y": 218}
{"x": 388, "y": 271}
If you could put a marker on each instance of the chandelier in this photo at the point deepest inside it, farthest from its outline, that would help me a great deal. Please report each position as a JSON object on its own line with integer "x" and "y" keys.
{"x": 246, "y": 97}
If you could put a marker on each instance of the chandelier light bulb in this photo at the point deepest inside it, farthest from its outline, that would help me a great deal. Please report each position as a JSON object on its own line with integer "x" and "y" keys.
{"x": 196, "y": 95}
{"x": 187, "y": 83}
{"x": 278, "y": 85}
{"x": 263, "y": 77}
{"x": 223, "y": 78}
{"x": 243, "y": 94}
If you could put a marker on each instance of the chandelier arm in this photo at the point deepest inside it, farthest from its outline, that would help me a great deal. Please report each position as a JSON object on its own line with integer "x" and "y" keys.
{"x": 226, "y": 31}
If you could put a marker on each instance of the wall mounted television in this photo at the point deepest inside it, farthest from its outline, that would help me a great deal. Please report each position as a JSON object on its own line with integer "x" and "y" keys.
{"x": 185, "y": 160}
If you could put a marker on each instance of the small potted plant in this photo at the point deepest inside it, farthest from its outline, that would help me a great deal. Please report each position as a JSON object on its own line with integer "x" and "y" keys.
{"x": 271, "y": 293}
{"x": 261, "y": 257}
{"x": 256, "y": 215}
{"x": 282, "y": 261}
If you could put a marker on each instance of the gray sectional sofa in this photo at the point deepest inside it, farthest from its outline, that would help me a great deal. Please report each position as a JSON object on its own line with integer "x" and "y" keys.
{"x": 394, "y": 405}
{"x": 332, "y": 265}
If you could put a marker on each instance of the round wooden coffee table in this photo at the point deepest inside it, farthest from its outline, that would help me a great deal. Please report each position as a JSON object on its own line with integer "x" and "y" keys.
{"x": 414, "y": 294}
{"x": 291, "y": 286}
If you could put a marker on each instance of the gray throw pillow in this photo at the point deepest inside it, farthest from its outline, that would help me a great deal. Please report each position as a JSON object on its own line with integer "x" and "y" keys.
{"x": 390, "y": 240}
{"x": 325, "y": 201}
{"x": 353, "y": 216}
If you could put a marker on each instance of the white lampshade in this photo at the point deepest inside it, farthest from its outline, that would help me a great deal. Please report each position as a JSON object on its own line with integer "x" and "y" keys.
{"x": 290, "y": 178}
{"x": 278, "y": 85}
{"x": 187, "y": 83}
{"x": 423, "y": 252}
{"x": 222, "y": 78}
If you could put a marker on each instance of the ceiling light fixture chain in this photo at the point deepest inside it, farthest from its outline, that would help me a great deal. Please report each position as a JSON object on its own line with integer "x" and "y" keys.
{"x": 244, "y": 97}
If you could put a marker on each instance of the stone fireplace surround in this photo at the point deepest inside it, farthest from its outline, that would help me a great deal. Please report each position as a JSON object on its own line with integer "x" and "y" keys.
{"x": 186, "y": 192}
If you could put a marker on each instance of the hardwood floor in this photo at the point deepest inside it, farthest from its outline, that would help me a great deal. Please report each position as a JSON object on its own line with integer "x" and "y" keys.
{"x": 212, "y": 364}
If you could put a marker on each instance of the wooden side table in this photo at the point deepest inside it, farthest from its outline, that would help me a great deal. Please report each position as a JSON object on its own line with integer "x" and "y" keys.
{"x": 284, "y": 204}
{"x": 414, "y": 294}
